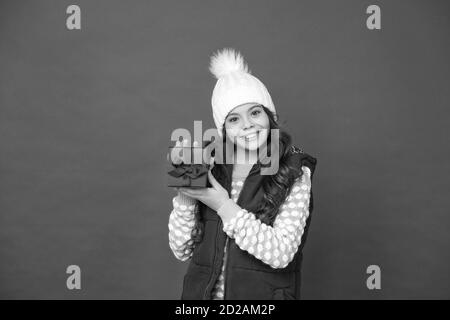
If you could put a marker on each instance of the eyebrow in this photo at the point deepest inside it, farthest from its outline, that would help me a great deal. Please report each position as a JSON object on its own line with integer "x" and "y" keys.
{"x": 233, "y": 113}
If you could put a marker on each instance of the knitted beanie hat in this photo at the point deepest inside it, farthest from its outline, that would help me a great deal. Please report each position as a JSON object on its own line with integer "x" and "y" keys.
{"x": 235, "y": 86}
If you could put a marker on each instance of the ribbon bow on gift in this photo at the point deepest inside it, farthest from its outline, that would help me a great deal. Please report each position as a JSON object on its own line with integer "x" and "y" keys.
{"x": 189, "y": 171}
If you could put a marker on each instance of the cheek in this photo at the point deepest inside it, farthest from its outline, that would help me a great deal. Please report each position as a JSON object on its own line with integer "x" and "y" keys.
{"x": 231, "y": 132}
{"x": 264, "y": 134}
{"x": 263, "y": 122}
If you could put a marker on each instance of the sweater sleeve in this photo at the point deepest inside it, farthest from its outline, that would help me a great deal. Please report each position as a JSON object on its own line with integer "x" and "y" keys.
{"x": 277, "y": 245}
{"x": 181, "y": 223}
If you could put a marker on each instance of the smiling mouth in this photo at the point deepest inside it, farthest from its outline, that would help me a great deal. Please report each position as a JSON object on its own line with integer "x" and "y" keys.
{"x": 251, "y": 137}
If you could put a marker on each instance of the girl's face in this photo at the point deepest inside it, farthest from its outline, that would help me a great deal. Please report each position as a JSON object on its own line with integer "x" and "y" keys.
{"x": 244, "y": 125}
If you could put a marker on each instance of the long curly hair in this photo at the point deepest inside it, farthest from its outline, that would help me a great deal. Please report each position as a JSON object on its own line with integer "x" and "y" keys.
{"x": 276, "y": 187}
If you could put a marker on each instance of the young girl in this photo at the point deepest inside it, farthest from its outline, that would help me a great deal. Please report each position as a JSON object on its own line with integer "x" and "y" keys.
{"x": 245, "y": 233}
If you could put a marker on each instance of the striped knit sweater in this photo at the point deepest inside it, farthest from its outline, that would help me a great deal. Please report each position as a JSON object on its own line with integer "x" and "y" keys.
{"x": 275, "y": 246}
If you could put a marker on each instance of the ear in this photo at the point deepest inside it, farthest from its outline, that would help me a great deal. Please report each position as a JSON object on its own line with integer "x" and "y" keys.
{"x": 275, "y": 117}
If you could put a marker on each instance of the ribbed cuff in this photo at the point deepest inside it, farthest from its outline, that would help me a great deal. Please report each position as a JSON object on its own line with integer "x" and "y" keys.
{"x": 229, "y": 226}
{"x": 183, "y": 199}
{"x": 228, "y": 210}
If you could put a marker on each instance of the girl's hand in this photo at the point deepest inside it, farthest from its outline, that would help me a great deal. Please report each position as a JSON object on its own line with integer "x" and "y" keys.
{"x": 213, "y": 197}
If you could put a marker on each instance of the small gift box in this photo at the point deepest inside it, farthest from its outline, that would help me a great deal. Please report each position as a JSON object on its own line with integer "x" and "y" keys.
{"x": 190, "y": 174}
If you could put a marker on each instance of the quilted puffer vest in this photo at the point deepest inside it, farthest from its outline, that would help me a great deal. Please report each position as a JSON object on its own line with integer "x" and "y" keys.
{"x": 246, "y": 277}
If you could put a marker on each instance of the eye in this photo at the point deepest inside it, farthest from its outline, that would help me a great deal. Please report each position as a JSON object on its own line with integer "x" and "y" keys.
{"x": 256, "y": 112}
{"x": 232, "y": 119}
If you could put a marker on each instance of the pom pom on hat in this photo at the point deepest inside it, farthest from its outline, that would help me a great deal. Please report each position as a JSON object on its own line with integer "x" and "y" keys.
{"x": 227, "y": 61}
{"x": 235, "y": 86}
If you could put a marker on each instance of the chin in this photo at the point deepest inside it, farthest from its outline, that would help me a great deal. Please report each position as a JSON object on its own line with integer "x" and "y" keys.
{"x": 249, "y": 147}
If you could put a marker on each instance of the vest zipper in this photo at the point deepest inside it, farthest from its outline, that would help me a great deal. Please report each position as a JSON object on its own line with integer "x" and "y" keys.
{"x": 226, "y": 268}
{"x": 207, "y": 296}
{"x": 227, "y": 242}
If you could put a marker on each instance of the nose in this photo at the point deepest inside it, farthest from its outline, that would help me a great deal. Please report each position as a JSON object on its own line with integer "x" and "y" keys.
{"x": 247, "y": 123}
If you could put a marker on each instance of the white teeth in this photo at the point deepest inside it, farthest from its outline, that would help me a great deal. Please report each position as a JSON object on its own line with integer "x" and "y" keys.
{"x": 250, "y": 137}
